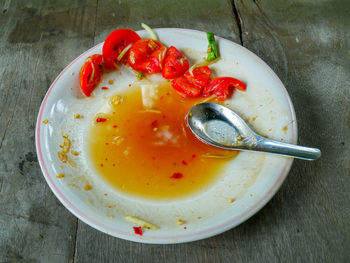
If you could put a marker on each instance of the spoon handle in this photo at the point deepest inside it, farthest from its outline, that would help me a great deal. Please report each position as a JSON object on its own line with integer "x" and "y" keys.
{"x": 287, "y": 149}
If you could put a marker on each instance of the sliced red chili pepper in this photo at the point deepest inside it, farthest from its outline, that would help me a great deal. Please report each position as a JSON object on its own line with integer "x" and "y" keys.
{"x": 115, "y": 44}
{"x": 185, "y": 87}
{"x": 200, "y": 76}
{"x": 175, "y": 63}
{"x": 138, "y": 230}
{"x": 90, "y": 74}
{"x": 223, "y": 92}
{"x": 190, "y": 85}
{"x": 146, "y": 55}
{"x": 223, "y": 87}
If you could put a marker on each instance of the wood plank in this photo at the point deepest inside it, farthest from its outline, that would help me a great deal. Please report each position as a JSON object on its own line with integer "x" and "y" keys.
{"x": 202, "y": 15}
{"x": 38, "y": 39}
{"x": 305, "y": 43}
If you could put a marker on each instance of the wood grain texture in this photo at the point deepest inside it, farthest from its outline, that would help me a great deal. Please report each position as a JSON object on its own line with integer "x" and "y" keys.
{"x": 202, "y": 15}
{"x": 38, "y": 39}
{"x": 304, "y": 42}
{"x": 307, "y": 44}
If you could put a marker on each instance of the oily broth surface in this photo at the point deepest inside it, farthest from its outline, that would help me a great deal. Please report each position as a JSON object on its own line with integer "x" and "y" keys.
{"x": 145, "y": 140}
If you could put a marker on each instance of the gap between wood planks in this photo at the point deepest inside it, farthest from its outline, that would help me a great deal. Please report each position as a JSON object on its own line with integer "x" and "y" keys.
{"x": 239, "y": 20}
{"x": 77, "y": 220}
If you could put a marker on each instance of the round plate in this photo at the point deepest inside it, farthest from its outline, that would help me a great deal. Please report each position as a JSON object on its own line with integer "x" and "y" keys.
{"x": 250, "y": 180}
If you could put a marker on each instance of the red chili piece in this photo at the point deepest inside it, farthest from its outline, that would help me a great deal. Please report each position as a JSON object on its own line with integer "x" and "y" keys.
{"x": 138, "y": 230}
{"x": 184, "y": 162}
{"x": 200, "y": 76}
{"x": 154, "y": 123}
{"x": 90, "y": 74}
{"x": 191, "y": 85}
{"x": 146, "y": 55}
{"x": 177, "y": 176}
{"x": 115, "y": 44}
{"x": 101, "y": 119}
{"x": 175, "y": 64}
{"x": 223, "y": 87}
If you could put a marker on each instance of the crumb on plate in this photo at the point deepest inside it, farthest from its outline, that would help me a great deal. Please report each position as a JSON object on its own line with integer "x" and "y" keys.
{"x": 62, "y": 156}
{"x": 66, "y": 145}
{"x": 180, "y": 222}
{"x": 138, "y": 230}
{"x": 140, "y": 222}
{"x": 87, "y": 187}
{"x": 74, "y": 153}
{"x": 60, "y": 175}
{"x": 72, "y": 163}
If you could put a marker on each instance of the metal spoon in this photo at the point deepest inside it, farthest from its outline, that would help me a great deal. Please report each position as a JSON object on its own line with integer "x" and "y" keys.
{"x": 219, "y": 126}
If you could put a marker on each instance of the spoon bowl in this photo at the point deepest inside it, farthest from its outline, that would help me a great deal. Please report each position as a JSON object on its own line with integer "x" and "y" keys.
{"x": 219, "y": 126}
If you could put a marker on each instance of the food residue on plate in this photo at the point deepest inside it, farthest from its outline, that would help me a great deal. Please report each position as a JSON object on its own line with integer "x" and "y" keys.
{"x": 138, "y": 230}
{"x": 149, "y": 151}
{"x": 87, "y": 187}
{"x": 140, "y": 222}
{"x": 60, "y": 175}
{"x": 143, "y": 147}
{"x": 179, "y": 222}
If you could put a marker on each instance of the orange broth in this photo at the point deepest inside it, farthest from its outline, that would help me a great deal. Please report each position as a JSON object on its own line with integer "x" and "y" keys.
{"x": 138, "y": 150}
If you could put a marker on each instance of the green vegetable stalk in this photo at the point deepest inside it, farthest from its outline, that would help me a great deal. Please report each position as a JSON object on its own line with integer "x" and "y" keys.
{"x": 212, "y": 49}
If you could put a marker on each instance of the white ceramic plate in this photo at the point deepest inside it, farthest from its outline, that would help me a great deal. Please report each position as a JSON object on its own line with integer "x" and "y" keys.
{"x": 251, "y": 179}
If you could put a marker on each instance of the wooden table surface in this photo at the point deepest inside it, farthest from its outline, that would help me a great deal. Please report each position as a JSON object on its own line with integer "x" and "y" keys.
{"x": 305, "y": 42}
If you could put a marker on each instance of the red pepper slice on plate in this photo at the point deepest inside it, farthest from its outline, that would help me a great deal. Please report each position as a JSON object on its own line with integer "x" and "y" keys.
{"x": 200, "y": 76}
{"x": 90, "y": 74}
{"x": 115, "y": 43}
{"x": 146, "y": 55}
{"x": 223, "y": 87}
{"x": 186, "y": 88}
{"x": 175, "y": 64}
{"x": 190, "y": 85}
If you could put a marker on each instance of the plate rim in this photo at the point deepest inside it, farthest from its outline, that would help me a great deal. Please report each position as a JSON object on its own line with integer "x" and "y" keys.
{"x": 183, "y": 238}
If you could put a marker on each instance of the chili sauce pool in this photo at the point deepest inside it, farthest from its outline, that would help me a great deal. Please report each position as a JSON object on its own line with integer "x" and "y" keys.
{"x": 141, "y": 145}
